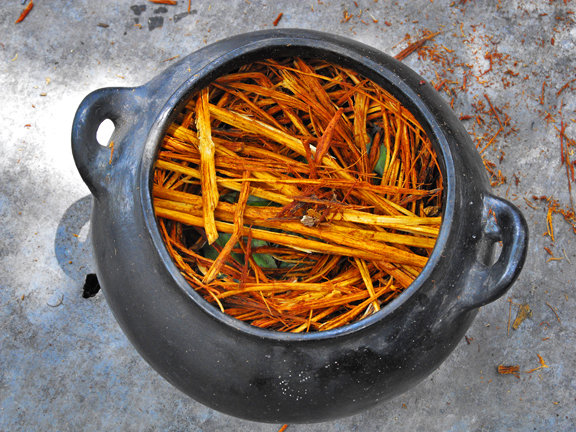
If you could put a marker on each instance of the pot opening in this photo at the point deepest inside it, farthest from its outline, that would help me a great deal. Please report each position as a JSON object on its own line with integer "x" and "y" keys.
{"x": 297, "y": 195}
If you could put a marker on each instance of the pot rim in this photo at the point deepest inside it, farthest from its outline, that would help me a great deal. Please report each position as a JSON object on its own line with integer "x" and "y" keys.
{"x": 315, "y": 45}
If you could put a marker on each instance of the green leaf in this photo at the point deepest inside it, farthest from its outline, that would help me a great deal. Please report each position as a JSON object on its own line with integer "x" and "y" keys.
{"x": 257, "y": 201}
{"x": 379, "y": 167}
{"x": 265, "y": 261}
{"x": 210, "y": 252}
{"x": 259, "y": 243}
{"x": 229, "y": 197}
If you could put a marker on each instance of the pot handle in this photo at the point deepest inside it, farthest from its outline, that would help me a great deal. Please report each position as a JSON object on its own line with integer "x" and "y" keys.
{"x": 93, "y": 159}
{"x": 501, "y": 221}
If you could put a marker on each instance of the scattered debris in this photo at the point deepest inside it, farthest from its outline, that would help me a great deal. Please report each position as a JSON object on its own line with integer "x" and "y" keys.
{"x": 278, "y": 18}
{"x": 554, "y": 208}
{"x": 25, "y": 12}
{"x": 500, "y": 129}
{"x": 565, "y": 152}
{"x": 515, "y": 369}
{"x": 60, "y": 301}
{"x": 565, "y": 86}
{"x": 509, "y": 370}
{"x": 524, "y": 312}
{"x": 111, "y": 146}
{"x": 555, "y": 312}
{"x": 171, "y": 58}
{"x": 509, "y": 316}
{"x": 346, "y": 17}
{"x": 416, "y": 45}
{"x": 543, "y": 365}
{"x": 166, "y": 2}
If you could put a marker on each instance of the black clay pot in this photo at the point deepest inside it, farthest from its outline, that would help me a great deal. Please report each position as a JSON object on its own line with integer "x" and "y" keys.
{"x": 264, "y": 375}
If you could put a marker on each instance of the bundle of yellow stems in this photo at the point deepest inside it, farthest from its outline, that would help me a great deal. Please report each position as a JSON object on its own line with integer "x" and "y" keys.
{"x": 297, "y": 195}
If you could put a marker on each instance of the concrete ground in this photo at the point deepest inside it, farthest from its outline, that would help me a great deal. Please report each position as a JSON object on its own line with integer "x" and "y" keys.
{"x": 64, "y": 362}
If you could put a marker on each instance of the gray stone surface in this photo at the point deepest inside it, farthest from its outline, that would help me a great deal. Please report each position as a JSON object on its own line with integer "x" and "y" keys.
{"x": 65, "y": 364}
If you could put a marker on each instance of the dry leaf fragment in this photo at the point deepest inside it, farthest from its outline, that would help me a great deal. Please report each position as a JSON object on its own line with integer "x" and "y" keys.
{"x": 508, "y": 370}
{"x": 25, "y": 12}
{"x": 524, "y": 312}
{"x": 543, "y": 365}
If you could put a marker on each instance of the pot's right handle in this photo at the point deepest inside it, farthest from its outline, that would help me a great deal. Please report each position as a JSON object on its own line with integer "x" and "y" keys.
{"x": 502, "y": 221}
{"x": 93, "y": 159}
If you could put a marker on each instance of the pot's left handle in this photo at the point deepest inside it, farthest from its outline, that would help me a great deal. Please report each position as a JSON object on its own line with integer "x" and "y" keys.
{"x": 502, "y": 222}
{"x": 92, "y": 159}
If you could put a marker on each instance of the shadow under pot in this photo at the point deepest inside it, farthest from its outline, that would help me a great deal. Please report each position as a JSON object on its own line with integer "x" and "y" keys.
{"x": 268, "y": 375}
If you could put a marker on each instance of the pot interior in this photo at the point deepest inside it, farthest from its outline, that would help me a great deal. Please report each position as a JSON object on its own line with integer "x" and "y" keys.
{"x": 366, "y": 69}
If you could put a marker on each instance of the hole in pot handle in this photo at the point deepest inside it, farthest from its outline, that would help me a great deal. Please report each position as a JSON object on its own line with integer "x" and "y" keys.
{"x": 104, "y": 132}
{"x": 502, "y": 221}
{"x": 92, "y": 158}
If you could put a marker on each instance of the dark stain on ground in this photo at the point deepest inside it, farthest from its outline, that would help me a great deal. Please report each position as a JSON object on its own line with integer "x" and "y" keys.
{"x": 179, "y": 16}
{"x": 161, "y": 9}
{"x": 155, "y": 22}
{"x": 138, "y": 9}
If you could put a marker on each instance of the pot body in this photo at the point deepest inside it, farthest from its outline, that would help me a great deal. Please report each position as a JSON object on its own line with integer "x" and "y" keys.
{"x": 271, "y": 376}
